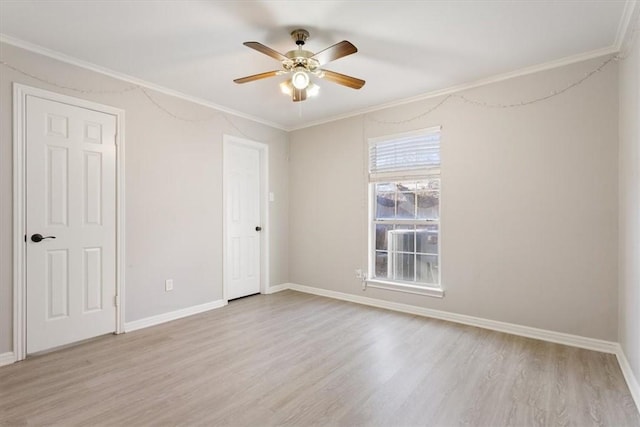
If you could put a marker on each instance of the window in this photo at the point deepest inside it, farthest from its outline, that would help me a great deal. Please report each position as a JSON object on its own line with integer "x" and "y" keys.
{"x": 404, "y": 236}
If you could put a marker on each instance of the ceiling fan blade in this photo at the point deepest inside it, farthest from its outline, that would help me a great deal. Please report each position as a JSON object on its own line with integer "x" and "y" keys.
{"x": 342, "y": 79}
{"x": 257, "y": 77}
{"x": 266, "y": 50}
{"x": 334, "y": 52}
{"x": 299, "y": 94}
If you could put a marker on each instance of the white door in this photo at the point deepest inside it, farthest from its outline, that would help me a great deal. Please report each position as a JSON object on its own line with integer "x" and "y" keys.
{"x": 242, "y": 181}
{"x": 71, "y": 203}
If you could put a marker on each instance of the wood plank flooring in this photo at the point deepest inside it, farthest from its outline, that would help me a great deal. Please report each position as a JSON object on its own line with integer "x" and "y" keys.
{"x": 301, "y": 360}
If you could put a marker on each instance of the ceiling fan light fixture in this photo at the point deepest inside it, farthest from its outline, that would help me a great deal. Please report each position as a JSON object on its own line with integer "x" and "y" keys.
{"x": 300, "y": 80}
{"x": 300, "y": 64}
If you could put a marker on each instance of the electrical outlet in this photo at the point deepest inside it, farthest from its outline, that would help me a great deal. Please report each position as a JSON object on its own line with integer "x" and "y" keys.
{"x": 168, "y": 285}
{"x": 359, "y": 274}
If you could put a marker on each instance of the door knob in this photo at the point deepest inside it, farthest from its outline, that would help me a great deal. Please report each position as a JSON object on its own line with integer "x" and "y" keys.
{"x": 38, "y": 237}
{"x": 258, "y": 228}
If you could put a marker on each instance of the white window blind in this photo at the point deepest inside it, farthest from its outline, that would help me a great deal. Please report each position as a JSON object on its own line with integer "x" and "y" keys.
{"x": 405, "y": 153}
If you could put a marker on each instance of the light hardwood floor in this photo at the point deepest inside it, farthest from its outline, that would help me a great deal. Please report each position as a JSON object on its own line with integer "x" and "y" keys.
{"x": 297, "y": 359}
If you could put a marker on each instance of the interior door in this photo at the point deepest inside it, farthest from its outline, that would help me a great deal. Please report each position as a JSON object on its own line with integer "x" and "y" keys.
{"x": 242, "y": 182}
{"x": 70, "y": 223}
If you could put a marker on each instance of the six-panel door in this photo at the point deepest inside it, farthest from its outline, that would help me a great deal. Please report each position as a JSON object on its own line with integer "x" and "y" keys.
{"x": 71, "y": 196}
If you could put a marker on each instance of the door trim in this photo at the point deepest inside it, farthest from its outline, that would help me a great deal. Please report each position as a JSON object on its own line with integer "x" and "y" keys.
{"x": 263, "y": 149}
{"x": 20, "y": 93}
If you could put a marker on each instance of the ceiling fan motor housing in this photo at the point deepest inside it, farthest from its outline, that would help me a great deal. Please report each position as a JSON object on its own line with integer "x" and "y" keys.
{"x": 300, "y": 36}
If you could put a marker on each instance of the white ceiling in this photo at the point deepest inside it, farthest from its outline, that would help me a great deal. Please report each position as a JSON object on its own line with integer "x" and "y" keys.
{"x": 406, "y": 48}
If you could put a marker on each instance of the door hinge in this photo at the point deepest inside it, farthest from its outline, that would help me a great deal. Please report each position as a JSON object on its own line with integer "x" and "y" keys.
{"x": 115, "y": 301}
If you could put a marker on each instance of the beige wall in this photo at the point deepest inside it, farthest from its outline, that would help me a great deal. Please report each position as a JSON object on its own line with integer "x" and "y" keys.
{"x": 529, "y": 202}
{"x": 173, "y": 190}
{"x": 629, "y": 210}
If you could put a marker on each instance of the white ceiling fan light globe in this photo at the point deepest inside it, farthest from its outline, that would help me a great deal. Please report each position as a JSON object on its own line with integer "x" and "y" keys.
{"x": 300, "y": 80}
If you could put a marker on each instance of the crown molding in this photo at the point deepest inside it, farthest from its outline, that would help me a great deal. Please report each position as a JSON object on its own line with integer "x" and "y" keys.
{"x": 471, "y": 85}
{"x": 130, "y": 79}
{"x": 625, "y": 29}
{"x": 622, "y": 34}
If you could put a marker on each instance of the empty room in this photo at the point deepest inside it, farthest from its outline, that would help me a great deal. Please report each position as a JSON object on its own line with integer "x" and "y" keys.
{"x": 353, "y": 213}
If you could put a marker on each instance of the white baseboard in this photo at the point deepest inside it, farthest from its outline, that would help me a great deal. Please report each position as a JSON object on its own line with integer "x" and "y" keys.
{"x": 277, "y": 288}
{"x": 630, "y": 378}
{"x": 509, "y": 328}
{"x": 173, "y": 315}
{"x": 7, "y": 358}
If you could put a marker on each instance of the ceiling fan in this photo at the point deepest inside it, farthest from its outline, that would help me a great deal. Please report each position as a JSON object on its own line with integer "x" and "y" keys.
{"x": 302, "y": 64}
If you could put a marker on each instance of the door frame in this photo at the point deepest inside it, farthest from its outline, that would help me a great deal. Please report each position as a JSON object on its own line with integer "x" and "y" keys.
{"x": 263, "y": 149}
{"x": 20, "y": 93}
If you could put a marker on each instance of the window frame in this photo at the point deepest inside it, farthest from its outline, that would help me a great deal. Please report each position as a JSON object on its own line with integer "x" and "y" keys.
{"x": 434, "y": 290}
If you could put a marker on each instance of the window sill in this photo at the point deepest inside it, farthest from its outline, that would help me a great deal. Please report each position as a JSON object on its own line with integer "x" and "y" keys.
{"x": 401, "y": 287}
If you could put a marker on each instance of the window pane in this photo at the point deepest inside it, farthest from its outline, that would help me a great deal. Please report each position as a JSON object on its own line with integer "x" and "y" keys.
{"x": 381, "y": 236}
{"x": 427, "y": 269}
{"x": 381, "y": 264}
{"x": 406, "y": 186}
{"x": 406, "y": 205}
{"x": 427, "y": 239}
{"x": 403, "y": 267}
{"x": 429, "y": 198}
{"x": 407, "y": 252}
{"x": 385, "y": 205}
{"x": 385, "y": 187}
{"x": 402, "y": 239}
